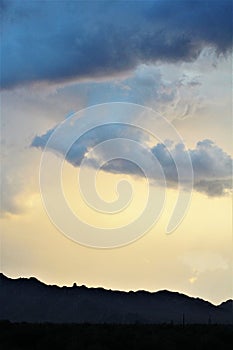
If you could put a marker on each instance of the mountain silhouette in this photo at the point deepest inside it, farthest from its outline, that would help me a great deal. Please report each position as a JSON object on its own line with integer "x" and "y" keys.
{"x": 29, "y": 300}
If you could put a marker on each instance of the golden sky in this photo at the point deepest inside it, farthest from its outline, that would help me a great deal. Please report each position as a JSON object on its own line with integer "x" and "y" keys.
{"x": 193, "y": 92}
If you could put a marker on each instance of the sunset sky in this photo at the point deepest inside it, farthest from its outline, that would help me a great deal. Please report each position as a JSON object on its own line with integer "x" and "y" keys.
{"x": 151, "y": 58}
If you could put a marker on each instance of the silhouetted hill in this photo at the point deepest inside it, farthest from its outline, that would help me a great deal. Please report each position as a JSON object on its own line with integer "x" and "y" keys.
{"x": 32, "y": 301}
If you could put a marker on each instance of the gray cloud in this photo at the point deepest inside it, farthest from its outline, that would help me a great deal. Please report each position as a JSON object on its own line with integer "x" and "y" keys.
{"x": 91, "y": 139}
{"x": 17, "y": 180}
{"x": 64, "y": 40}
{"x": 174, "y": 98}
{"x": 211, "y": 165}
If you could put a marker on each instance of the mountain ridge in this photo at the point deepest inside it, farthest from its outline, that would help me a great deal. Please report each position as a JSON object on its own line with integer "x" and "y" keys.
{"x": 75, "y": 285}
{"x": 28, "y": 299}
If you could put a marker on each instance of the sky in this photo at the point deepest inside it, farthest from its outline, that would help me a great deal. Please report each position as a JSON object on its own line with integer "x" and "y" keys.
{"x": 116, "y": 144}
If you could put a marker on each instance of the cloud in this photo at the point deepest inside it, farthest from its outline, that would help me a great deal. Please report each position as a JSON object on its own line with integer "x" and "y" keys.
{"x": 192, "y": 279}
{"x": 76, "y": 41}
{"x": 175, "y": 97}
{"x": 17, "y": 181}
{"x": 202, "y": 261}
{"x": 212, "y": 167}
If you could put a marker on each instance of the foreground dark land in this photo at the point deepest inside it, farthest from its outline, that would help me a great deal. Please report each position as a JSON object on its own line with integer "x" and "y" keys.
{"x": 29, "y": 300}
{"x": 15, "y": 336}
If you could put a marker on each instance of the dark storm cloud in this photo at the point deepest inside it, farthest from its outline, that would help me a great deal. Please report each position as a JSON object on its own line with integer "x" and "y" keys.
{"x": 212, "y": 167}
{"x": 67, "y": 40}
